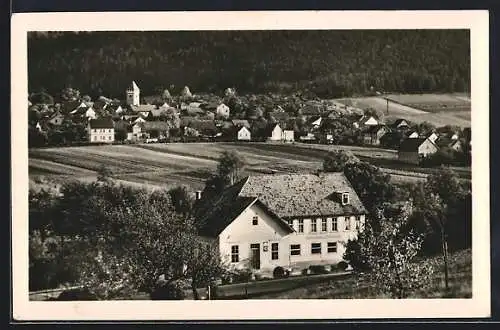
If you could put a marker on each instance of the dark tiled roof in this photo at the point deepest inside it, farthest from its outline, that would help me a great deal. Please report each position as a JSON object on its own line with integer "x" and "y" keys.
{"x": 143, "y": 107}
{"x": 101, "y": 123}
{"x": 241, "y": 122}
{"x": 410, "y": 145}
{"x": 296, "y": 195}
{"x": 283, "y": 196}
{"x": 155, "y": 126}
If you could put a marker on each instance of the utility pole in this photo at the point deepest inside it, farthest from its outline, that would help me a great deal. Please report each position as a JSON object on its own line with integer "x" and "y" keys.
{"x": 387, "y": 109}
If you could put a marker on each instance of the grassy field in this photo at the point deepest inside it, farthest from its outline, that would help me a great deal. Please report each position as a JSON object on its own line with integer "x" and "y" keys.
{"x": 356, "y": 287}
{"x": 173, "y": 164}
{"x": 438, "y": 109}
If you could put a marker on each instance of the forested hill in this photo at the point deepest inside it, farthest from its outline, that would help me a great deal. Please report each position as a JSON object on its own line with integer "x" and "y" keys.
{"x": 329, "y": 63}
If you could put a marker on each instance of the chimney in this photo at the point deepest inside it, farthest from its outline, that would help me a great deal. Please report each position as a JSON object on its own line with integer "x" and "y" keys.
{"x": 198, "y": 194}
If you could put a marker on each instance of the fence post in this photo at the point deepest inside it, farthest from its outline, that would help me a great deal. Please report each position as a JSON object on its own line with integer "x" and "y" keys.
{"x": 208, "y": 290}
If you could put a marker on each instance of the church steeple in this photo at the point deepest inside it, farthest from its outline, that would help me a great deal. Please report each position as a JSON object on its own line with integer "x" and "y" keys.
{"x": 133, "y": 94}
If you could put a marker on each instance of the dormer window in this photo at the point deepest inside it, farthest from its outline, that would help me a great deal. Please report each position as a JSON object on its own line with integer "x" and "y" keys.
{"x": 345, "y": 198}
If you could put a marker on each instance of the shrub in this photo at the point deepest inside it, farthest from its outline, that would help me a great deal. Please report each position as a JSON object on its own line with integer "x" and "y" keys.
{"x": 72, "y": 295}
{"x": 171, "y": 291}
{"x": 278, "y": 272}
{"x": 318, "y": 269}
{"x": 342, "y": 265}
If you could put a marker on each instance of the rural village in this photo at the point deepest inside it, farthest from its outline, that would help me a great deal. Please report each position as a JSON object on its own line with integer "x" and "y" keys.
{"x": 192, "y": 195}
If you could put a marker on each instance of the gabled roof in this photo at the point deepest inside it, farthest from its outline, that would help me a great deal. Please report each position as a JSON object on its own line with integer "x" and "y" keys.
{"x": 240, "y": 122}
{"x": 215, "y": 215}
{"x": 154, "y": 126}
{"x": 101, "y": 123}
{"x": 300, "y": 195}
{"x": 134, "y": 86}
{"x": 143, "y": 107}
{"x": 411, "y": 145}
{"x": 399, "y": 121}
{"x": 268, "y": 130}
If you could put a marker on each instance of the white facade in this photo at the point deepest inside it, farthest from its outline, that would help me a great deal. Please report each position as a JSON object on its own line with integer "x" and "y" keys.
{"x": 371, "y": 121}
{"x": 276, "y": 134}
{"x": 256, "y": 240}
{"x": 133, "y": 94}
{"x": 90, "y": 113}
{"x": 223, "y": 110}
{"x": 244, "y": 134}
{"x": 288, "y": 136}
{"x": 101, "y": 135}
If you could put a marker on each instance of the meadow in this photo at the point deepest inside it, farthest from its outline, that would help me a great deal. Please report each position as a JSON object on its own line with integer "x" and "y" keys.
{"x": 190, "y": 164}
{"x": 438, "y": 109}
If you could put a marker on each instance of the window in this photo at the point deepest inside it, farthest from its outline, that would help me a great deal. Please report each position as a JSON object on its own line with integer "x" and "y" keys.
{"x": 347, "y": 223}
{"x": 334, "y": 224}
{"x": 95, "y": 138}
{"x": 295, "y": 250}
{"x": 358, "y": 222}
{"x": 255, "y": 220}
{"x": 315, "y": 248}
{"x": 323, "y": 224}
{"x": 109, "y": 137}
{"x": 235, "y": 256}
{"x": 313, "y": 226}
{"x": 274, "y": 251}
{"x": 301, "y": 225}
{"x": 345, "y": 198}
{"x": 332, "y": 247}
{"x": 290, "y": 222}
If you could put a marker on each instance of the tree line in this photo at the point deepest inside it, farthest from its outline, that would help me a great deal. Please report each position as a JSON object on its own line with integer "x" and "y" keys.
{"x": 325, "y": 63}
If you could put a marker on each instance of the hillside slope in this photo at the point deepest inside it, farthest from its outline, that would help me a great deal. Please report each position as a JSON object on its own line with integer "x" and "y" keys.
{"x": 328, "y": 63}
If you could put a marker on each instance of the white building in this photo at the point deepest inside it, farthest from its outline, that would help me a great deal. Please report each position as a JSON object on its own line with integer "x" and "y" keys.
{"x": 222, "y": 110}
{"x": 101, "y": 130}
{"x": 133, "y": 94}
{"x": 243, "y": 134}
{"x": 291, "y": 221}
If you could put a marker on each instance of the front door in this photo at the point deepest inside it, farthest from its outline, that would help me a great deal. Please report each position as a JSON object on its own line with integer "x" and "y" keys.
{"x": 255, "y": 255}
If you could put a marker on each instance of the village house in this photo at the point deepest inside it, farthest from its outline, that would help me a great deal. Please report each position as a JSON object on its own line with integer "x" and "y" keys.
{"x": 373, "y": 134}
{"x": 290, "y": 221}
{"x": 412, "y": 151}
{"x": 56, "y": 119}
{"x": 364, "y": 120}
{"x": 273, "y": 132}
{"x": 150, "y": 129}
{"x": 222, "y": 110}
{"x": 400, "y": 124}
{"x": 101, "y": 130}
{"x": 315, "y": 122}
{"x": 449, "y": 142}
{"x": 412, "y": 135}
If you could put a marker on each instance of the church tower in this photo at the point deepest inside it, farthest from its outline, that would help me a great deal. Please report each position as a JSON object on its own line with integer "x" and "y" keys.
{"x": 133, "y": 94}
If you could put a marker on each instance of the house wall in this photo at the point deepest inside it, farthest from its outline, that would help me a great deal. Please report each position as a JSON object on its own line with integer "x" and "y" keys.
{"x": 102, "y": 135}
{"x": 276, "y": 134}
{"x": 242, "y": 232}
{"x": 244, "y": 134}
{"x": 90, "y": 113}
{"x": 427, "y": 148}
{"x": 288, "y": 135}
